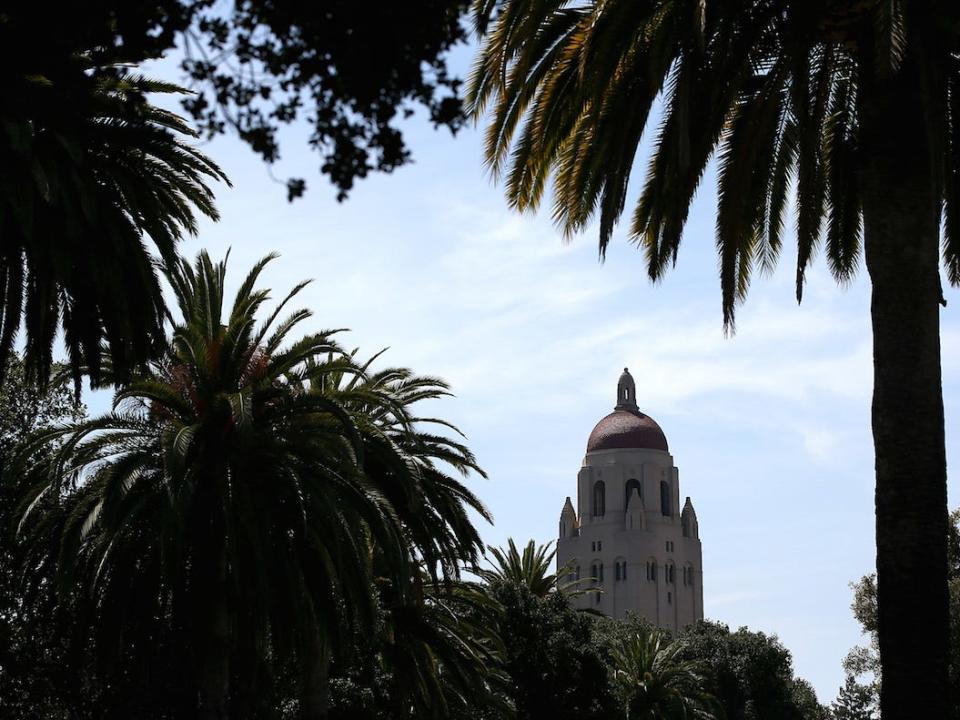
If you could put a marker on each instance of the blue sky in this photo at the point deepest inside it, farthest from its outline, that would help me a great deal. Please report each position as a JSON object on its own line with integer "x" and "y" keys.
{"x": 770, "y": 428}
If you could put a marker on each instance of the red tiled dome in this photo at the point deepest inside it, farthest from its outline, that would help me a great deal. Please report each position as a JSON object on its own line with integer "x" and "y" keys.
{"x": 627, "y": 430}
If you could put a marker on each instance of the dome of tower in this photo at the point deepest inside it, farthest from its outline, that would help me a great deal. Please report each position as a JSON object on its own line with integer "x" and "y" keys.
{"x": 626, "y": 428}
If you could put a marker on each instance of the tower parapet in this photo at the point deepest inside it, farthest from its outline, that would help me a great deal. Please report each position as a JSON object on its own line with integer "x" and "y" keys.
{"x": 569, "y": 525}
{"x": 688, "y": 520}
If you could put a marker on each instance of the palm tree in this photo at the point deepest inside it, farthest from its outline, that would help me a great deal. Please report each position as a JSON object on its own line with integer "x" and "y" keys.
{"x": 91, "y": 171}
{"x": 532, "y": 570}
{"x": 434, "y": 508}
{"x": 445, "y": 654}
{"x": 851, "y": 105}
{"x": 241, "y": 494}
{"x": 654, "y": 683}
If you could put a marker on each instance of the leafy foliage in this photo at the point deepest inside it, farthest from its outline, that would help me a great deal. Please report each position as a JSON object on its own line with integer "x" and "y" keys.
{"x": 854, "y": 702}
{"x": 349, "y": 69}
{"x": 768, "y": 87}
{"x": 441, "y": 658}
{"x": 531, "y": 570}
{"x": 556, "y": 667}
{"x": 33, "y": 682}
{"x": 241, "y": 498}
{"x": 655, "y": 682}
{"x": 92, "y": 173}
{"x": 752, "y": 673}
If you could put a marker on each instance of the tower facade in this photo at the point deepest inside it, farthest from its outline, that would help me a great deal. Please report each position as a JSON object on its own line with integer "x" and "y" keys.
{"x": 629, "y": 538}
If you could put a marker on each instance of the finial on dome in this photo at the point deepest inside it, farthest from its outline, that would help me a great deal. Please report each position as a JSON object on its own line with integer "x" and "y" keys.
{"x": 626, "y": 392}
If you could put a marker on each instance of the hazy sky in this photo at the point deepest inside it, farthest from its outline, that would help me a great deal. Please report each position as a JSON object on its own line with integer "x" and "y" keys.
{"x": 770, "y": 429}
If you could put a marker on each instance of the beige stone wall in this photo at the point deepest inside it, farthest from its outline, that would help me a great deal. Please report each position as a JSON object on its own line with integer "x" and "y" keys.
{"x": 639, "y": 539}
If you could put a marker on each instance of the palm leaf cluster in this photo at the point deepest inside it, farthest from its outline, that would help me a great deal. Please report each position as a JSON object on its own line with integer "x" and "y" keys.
{"x": 93, "y": 175}
{"x": 769, "y": 88}
{"x": 445, "y": 655}
{"x": 655, "y": 683}
{"x": 247, "y": 490}
{"x": 531, "y": 570}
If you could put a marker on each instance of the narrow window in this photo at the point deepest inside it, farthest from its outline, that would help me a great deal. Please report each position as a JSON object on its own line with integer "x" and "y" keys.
{"x": 623, "y": 572}
{"x": 599, "y": 499}
{"x": 670, "y": 598}
{"x": 599, "y": 545}
{"x": 601, "y": 572}
{"x": 578, "y": 572}
{"x": 616, "y": 571}
{"x": 593, "y": 547}
{"x": 665, "y": 498}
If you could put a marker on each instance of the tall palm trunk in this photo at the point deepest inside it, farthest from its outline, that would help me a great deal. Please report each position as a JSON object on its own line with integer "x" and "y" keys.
{"x": 215, "y": 669}
{"x": 215, "y": 678}
{"x": 901, "y": 183}
{"x": 315, "y": 669}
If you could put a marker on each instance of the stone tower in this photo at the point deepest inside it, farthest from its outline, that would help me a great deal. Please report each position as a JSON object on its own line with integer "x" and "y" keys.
{"x": 631, "y": 538}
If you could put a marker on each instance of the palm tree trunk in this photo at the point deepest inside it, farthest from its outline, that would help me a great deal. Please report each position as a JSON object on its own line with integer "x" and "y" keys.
{"x": 315, "y": 694}
{"x": 901, "y": 195}
{"x": 215, "y": 681}
{"x": 215, "y": 670}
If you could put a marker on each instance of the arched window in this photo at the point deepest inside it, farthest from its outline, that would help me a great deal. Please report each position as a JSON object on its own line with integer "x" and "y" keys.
{"x": 623, "y": 570}
{"x": 616, "y": 571}
{"x": 599, "y": 499}
{"x": 632, "y": 484}
{"x": 665, "y": 498}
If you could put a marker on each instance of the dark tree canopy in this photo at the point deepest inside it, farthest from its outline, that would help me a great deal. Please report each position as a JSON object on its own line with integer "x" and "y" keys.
{"x": 349, "y": 69}
{"x": 752, "y": 673}
{"x": 33, "y": 680}
{"x": 97, "y": 185}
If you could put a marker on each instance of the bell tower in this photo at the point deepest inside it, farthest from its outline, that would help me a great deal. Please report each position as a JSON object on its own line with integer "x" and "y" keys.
{"x": 628, "y": 541}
